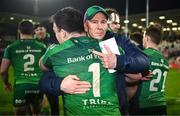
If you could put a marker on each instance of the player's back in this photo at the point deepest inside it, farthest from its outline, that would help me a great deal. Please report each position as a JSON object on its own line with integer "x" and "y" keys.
{"x": 75, "y": 57}
{"x": 152, "y": 92}
{"x": 24, "y": 55}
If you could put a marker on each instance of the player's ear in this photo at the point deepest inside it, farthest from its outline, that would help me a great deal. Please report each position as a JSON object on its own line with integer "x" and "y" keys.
{"x": 85, "y": 26}
{"x": 64, "y": 32}
{"x": 148, "y": 38}
{"x": 58, "y": 30}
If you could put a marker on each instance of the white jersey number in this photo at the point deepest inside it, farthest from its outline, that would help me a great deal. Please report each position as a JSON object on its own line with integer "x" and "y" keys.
{"x": 95, "y": 69}
{"x": 29, "y": 63}
{"x": 159, "y": 74}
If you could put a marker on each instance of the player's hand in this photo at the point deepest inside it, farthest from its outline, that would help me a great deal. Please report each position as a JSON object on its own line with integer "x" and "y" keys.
{"x": 148, "y": 76}
{"x": 73, "y": 85}
{"x": 139, "y": 76}
{"x": 109, "y": 60}
{"x": 8, "y": 87}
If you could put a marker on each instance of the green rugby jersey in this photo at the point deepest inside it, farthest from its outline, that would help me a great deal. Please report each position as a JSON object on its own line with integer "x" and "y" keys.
{"x": 75, "y": 57}
{"x": 152, "y": 92}
{"x": 24, "y": 55}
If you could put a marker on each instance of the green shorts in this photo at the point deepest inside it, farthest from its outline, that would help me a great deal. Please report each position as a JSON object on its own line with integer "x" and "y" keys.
{"x": 25, "y": 94}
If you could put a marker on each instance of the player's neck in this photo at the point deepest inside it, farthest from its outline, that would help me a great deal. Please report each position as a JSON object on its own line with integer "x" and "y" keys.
{"x": 75, "y": 34}
{"x": 71, "y": 35}
{"x": 24, "y": 36}
{"x": 152, "y": 45}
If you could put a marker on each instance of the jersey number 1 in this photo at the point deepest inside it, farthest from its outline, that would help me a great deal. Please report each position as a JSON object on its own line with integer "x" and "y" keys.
{"x": 95, "y": 69}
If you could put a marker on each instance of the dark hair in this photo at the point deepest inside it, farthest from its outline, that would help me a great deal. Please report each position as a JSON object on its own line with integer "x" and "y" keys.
{"x": 26, "y": 27}
{"x": 69, "y": 19}
{"x": 111, "y": 10}
{"x": 155, "y": 33}
{"x": 113, "y": 15}
{"x": 137, "y": 37}
{"x": 38, "y": 25}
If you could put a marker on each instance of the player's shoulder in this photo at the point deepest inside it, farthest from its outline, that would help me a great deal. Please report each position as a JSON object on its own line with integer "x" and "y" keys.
{"x": 152, "y": 52}
{"x": 84, "y": 41}
{"x": 53, "y": 46}
{"x": 14, "y": 44}
{"x": 53, "y": 49}
{"x": 38, "y": 43}
{"x": 148, "y": 51}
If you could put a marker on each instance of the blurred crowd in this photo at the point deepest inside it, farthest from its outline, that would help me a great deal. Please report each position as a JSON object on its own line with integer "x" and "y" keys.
{"x": 170, "y": 47}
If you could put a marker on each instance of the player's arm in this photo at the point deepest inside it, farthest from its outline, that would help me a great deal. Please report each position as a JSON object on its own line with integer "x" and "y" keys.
{"x": 130, "y": 64}
{"x": 4, "y": 73}
{"x": 139, "y": 76}
{"x": 49, "y": 83}
{"x": 71, "y": 84}
{"x": 42, "y": 66}
{"x": 132, "y": 81}
{"x": 134, "y": 77}
{"x": 133, "y": 61}
{"x": 57, "y": 85}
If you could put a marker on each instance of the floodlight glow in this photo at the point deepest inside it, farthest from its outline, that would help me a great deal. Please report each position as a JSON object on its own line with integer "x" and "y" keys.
{"x": 168, "y": 29}
{"x": 143, "y": 19}
{"x": 169, "y": 21}
{"x": 126, "y": 21}
{"x": 151, "y": 23}
{"x": 164, "y": 29}
{"x": 140, "y": 27}
{"x": 161, "y": 17}
{"x": 11, "y": 18}
{"x": 123, "y": 27}
{"x": 174, "y": 24}
{"x": 134, "y": 25}
{"x": 174, "y": 28}
{"x": 30, "y": 20}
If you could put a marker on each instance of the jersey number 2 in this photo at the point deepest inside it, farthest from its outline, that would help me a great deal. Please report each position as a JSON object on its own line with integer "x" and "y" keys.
{"x": 29, "y": 63}
{"x": 159, "y": 74}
